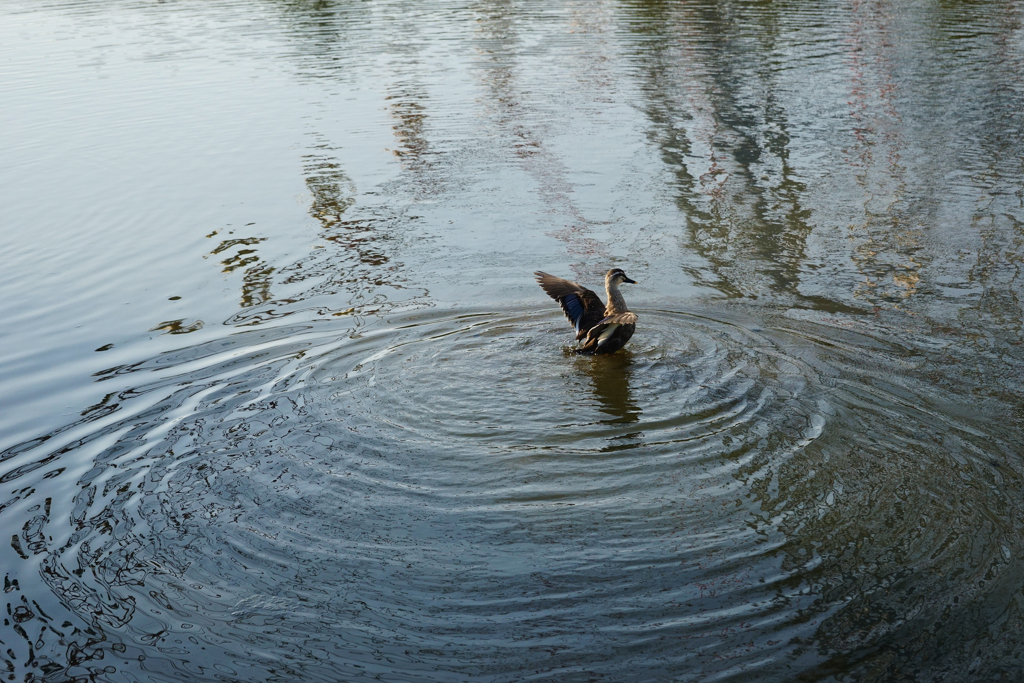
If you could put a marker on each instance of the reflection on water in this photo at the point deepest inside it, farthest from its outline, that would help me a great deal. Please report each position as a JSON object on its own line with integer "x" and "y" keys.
{"x": 333, "y": 191}
{"x": 719, "y": 119}
{"x": 178, "y": 326}
{"x": 611, "y": 376}
{"x": 240, "y": 254}
{"x": 524, "y": 128}
{"x": 357, "y": 445}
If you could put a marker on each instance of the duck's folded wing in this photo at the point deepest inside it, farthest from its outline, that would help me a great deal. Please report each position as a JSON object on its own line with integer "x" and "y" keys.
{"x": 581, "y": 306}
{"x": 626, "y": 318}
{"x": 612, "y": 321}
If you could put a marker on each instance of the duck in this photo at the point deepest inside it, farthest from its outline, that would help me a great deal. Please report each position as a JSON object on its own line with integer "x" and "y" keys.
{"x": 602, "y": 329}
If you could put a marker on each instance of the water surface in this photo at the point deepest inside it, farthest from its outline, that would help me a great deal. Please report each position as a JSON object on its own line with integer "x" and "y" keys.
{"x": 281, "y": 400}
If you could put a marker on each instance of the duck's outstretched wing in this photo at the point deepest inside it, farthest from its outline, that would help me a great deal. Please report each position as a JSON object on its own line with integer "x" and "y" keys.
{"x": 582, "y": 307}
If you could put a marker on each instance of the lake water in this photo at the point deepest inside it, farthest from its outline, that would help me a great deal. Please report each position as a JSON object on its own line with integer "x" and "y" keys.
{"x": 280, "y": 399}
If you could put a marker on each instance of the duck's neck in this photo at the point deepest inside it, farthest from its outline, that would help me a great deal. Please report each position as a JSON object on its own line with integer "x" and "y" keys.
{"x": 616, "y": 304}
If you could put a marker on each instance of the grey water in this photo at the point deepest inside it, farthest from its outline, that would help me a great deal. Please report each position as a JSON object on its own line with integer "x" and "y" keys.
{"x": 280, "y": 400}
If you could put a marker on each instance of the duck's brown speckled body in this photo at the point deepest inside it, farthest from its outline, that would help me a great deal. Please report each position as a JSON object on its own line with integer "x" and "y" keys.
{"x": 604, "y": 329}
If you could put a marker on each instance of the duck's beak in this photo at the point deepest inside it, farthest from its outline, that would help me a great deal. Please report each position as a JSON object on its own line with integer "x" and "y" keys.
{"x": 626, "y": 279}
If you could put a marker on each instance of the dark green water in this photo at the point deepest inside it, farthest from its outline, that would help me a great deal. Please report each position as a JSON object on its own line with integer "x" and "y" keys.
{"x": 280, "y": 400}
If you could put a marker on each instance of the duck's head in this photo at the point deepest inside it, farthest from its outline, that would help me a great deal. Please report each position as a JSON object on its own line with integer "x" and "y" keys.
{"x": 615, "y": 276}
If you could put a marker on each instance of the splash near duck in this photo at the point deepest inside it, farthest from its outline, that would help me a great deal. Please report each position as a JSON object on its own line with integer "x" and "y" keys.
{"x": 603, "y": 329}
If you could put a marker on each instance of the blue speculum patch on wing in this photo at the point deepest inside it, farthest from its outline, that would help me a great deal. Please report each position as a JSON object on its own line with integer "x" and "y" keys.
{"x": 573, "y": 308}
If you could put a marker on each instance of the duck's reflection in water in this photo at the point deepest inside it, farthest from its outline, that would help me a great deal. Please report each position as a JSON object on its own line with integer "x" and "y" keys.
{"x": 611, "y": 375}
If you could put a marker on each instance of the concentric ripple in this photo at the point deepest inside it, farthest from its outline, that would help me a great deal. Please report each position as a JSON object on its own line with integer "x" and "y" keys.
{"x": 452, "y": 495}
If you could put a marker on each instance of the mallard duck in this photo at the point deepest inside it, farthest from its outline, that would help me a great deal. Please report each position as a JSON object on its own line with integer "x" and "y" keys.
{"x": 606, "y": 329}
